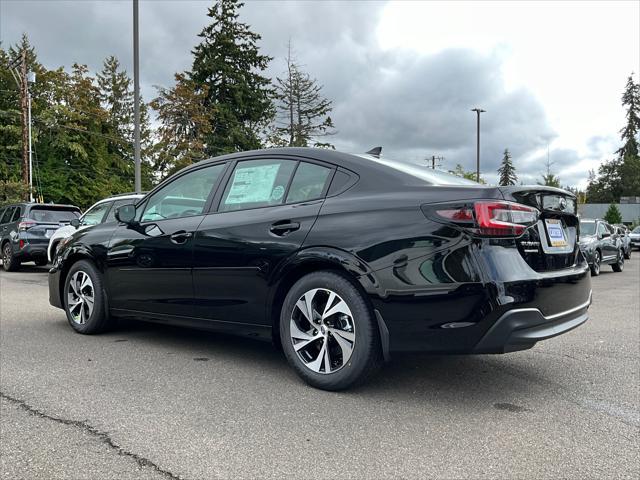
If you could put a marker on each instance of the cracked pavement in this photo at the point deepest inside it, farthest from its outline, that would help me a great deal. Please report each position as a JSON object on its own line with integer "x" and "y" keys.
{"x": 151, "y": 401}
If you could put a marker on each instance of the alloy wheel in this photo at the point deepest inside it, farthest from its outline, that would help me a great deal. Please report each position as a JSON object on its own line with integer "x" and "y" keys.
{"x": 6, "y": 255}
{"x": 322, "y": 331}
{"x": 80, "y": 297}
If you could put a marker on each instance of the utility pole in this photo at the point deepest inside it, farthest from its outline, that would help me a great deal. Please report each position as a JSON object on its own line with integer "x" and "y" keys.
{"x": 136, "y": 98}
{"x": 24, "y": 103}
{"x": 478, "y": 112}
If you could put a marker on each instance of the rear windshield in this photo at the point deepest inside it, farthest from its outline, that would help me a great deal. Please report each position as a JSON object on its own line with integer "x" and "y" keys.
{"x": 588, "y": 228}
{"x": 432, "y": 177}
{"x": 52, "y": 215}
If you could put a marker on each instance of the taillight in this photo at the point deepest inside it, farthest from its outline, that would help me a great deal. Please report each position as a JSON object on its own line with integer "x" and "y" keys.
{"x": 26, "y": 225}
{"x": 485, "y": 217}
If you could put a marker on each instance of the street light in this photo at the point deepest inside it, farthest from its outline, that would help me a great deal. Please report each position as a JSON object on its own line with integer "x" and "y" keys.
{"x": 478, "y": 112}
{"x": 136, "y": 100}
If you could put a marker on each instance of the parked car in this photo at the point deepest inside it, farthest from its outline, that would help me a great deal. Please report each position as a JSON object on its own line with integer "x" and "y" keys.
{"x": 338, "y": 258}
{"x": 100, "y": 212}
{"x": 600, "y": 245}
{"x": 634, "y": 236}
{"x": 25, "y": 229}
{"x": 625, "y": 240}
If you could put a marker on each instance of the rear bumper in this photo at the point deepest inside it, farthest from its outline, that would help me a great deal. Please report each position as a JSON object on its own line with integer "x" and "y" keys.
{"x": 521, "y": 328}
{"x": 31, "y": 251}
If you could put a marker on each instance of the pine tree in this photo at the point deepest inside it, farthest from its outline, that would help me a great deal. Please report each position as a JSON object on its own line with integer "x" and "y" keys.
{"x": 303, "y": 112}
{"x": 629, "y": 133}
{"x": 228, "y": 62}
{"x": 613, "y": 214}
{"x": 184, "y": 123}
{"x": 507, "y": 171}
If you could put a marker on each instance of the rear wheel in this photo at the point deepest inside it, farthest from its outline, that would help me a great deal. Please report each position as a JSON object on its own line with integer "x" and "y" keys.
{"x": 627, "y": 254}
{"x": 595, "y": 266}
{"x": 41, "y": 262}
{"x": 9, "y": 262}
{"x": 328, "y": 332}
{"x": 84, "y": 299}
{"x": 619, "y": 265}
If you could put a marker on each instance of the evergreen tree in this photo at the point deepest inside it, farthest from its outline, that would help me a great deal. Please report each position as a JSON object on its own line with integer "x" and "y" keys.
{"x": 184, "y": 123}
{"x": 550, "y": 180}
{"x": 238, "y": 98}
{"x": 459, "y": 171}
{"x": 303, "y": 113}
{"x": 621, "y": 176}
{"x": 613, "y": 214}
{"x": 117, "y": 99}
{"x": 507, "y": 171}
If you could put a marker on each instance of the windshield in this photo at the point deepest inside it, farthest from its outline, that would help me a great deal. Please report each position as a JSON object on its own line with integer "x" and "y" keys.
{"x": 52, "y": 215}
{"x": 433, "y": 177}
{"x": 587, "y": 228}
{"x": 636, "y": 230}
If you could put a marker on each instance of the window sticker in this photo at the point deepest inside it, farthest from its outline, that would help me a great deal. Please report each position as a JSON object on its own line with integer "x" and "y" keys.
{"x": 277, "y": 193}
{"x": 253, "y": 184}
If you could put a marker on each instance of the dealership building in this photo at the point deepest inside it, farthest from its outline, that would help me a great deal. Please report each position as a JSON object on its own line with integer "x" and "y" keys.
{"x": 629, "y": 209}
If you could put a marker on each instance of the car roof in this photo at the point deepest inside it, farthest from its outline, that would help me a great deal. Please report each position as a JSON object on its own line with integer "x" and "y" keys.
{"x": 121, "y": 196}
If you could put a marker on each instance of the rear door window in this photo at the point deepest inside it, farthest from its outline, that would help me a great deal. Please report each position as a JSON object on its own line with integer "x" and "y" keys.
{"x": 16, "y": 214}
{"x": 257, "y": 183}
{"x": 308, "y": 183}
{"x": 6, "y": 216}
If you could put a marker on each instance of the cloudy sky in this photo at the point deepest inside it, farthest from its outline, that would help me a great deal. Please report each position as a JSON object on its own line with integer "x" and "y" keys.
{"x": 403, "y": 75}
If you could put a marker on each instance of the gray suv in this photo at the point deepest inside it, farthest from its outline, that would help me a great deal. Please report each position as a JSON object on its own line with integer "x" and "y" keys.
{"x": 600, "y": 244}
{"x": 25, "y": 229}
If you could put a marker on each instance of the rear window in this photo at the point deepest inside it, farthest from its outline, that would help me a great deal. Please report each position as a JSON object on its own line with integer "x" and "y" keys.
{"x": 52, "y": 215}
{"x": 428, "y": 175}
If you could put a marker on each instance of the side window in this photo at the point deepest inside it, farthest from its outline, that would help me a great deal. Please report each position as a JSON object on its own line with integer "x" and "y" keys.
{"x": 95, "y": 215}
{"x": 308, "y": 182}
{"x": 186, "y": 196}
{"x": 16, "y": 214}
{"x": 6, "y": 216}
{"x": 601, "y": 229}
{"x": 111, "y": 217}
{"x": 257, "y": 183}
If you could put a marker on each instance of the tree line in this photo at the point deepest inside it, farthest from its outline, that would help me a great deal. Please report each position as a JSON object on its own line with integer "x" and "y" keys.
{"x": 83, "y": 124}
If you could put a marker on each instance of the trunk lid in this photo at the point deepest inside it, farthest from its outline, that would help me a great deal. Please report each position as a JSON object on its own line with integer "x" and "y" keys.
{"x": 44, "y": 220}
{"x": 551, "y": 244}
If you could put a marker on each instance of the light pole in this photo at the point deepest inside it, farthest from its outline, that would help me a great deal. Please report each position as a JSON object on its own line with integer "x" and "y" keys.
{"x": 478, "y": 112}
{"x": 136, "y": 98}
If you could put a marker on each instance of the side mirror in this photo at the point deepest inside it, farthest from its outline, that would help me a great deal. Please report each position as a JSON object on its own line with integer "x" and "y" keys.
{"x": 126, "y": 214}
{"x": 75, "y": 222}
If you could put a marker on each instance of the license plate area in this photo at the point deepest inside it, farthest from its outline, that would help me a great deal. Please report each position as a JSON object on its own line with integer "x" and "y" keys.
{"x": 555, "y": 232}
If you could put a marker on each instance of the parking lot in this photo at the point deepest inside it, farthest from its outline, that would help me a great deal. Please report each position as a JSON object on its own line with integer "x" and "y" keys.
{"x": 150, "y": 401}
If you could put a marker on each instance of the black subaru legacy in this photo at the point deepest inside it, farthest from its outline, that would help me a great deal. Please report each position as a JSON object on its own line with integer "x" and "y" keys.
{"x": 340, "y": 259}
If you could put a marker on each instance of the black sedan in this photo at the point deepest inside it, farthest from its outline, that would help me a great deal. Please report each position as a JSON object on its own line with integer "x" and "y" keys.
{"x": 340, "y": 259}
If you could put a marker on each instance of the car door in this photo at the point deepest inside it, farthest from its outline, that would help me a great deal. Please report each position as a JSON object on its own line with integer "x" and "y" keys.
{"x": 607, "y": 241}
{"x": 265, "y": 213}
{"x": 149, "y": 263}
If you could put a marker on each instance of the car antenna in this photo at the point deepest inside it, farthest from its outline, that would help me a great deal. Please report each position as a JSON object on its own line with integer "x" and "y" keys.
{"x": 375, "y": 151}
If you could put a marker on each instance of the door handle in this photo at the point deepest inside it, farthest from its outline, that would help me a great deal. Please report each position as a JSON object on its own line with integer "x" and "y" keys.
{"x": 181, "y": 237}
{"x": 284, "y": 228}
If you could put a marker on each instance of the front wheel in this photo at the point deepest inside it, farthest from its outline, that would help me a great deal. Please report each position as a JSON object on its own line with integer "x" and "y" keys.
{"x": 619, "y": 265}
{"x": 595, "y": 266}
{"x": 84, "y": 300}
{"x": 328, "y": 332}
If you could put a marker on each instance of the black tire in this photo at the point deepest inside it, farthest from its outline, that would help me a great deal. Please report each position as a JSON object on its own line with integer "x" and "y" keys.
{"x": 9, "y": 262}
{"x": 41, "y": 262}
{"x": 627, "y": 254}
{"x": 366, "y": 354}
{"x": 99, "y": 320}
{"x": 619, "y": 265}
{"x": 595, "y": 266}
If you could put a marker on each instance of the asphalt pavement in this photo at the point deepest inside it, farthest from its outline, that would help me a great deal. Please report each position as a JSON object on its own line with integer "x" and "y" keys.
{"x": 150, "y": 401}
